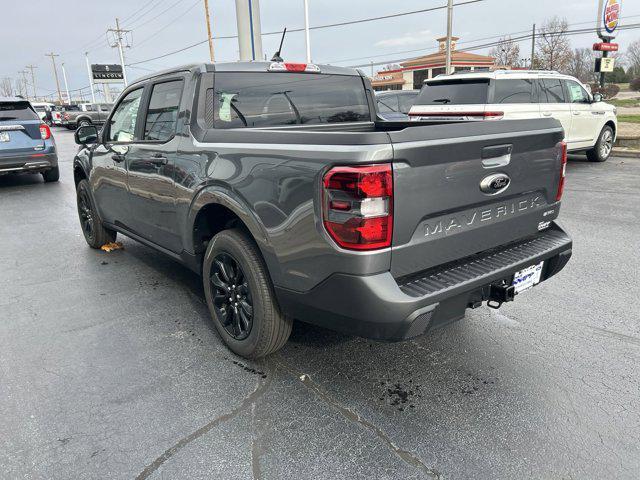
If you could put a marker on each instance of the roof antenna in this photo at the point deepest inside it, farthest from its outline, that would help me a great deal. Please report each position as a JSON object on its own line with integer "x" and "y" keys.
{"x": 276, "y": 56}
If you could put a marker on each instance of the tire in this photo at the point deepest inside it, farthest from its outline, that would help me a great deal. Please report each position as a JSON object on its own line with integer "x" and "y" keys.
{"x": 51, "y": 175}
{"x": 97, "y": 235}
{"x": 268, "y": 329}
{"x": 84, "y": 123}
{"x": 602, "y": 149}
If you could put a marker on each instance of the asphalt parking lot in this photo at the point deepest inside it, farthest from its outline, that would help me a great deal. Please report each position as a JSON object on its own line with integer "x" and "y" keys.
{"x": 111, "y": 368}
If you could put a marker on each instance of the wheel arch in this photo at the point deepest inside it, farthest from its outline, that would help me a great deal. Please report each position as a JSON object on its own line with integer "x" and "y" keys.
{"x": 612, "y": 124}
{"x": 214, "y": 210}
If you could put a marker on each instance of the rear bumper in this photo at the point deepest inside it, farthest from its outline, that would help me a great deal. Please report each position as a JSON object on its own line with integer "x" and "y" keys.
{"x": 383, "y": 308}
{"x": 30, "y": 162}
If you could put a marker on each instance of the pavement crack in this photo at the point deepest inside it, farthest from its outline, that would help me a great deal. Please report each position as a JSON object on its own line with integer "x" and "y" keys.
{"x": 353, "y": 416}
{"x": 249, "y": 400}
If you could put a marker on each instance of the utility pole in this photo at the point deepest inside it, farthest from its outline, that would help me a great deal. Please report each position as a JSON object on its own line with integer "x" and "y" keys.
{"x": 306, "y": 30}
{"x": 33, "y": 81}
{"x": 118, "y": 34}
{"x": 55, "y": 73}
{"x": 208, "y": 19}
{"x": 449, "y": 28}
{"x": 24, "y": 83}
{"x": 533, "y": 44}
{"x": 66, "y": 85}
{"x": 93, "y": 93}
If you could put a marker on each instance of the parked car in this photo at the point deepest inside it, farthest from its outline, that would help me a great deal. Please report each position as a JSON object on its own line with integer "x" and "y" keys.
{"x": 43, "y": 109}
{"x": 86, "y": 114}
{"x": 395, "y": 104}
{"x": 56, "y": 114}
{"x": 590, "y": 125}
{"x": 26, "y": 143}
{"x": 281, "y": 188}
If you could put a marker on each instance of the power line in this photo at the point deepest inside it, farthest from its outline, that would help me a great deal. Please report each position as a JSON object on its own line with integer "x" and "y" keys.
{"x": 428, "y": 50}
{"x": 161, "y": 29}
{"x": 126, "y": 19}
{"x": 317, "y": 27}
{"x": 519, "y": 39}
{"x": 158, "y": 15}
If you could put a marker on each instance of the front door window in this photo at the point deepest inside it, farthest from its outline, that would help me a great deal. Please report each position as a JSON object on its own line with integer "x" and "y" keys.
{"x": 122, "y": 126}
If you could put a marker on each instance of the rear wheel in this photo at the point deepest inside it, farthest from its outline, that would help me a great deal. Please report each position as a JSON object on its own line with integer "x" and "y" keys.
{"x": 84, "y": 123}
{"x": 94, "y": 232}
{"x": 51, "y": 175}
{"x": 240, "y": 296}
{"x": 602, "y": 149}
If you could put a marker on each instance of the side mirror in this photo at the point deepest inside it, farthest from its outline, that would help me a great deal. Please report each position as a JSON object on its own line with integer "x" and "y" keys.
{"x": 86, "y": 134}
{"x": 597, "y": 97}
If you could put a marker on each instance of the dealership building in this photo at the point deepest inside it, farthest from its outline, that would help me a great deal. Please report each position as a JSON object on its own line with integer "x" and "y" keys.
{"x": 412, "y": 73}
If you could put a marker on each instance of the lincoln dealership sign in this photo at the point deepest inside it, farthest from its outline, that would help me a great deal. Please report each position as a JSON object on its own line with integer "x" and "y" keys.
{"x": 107, "y": 73}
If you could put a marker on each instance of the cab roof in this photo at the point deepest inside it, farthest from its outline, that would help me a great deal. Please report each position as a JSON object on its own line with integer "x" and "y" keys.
{"x": 497, "y": 74}
{"x": 245, "y": 67}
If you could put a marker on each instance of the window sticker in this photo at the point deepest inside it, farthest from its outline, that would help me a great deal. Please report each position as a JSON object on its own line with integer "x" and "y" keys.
{"x": 225, "y": 106}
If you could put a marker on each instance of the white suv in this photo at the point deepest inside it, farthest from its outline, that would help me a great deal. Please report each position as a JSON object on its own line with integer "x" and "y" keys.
{"x": 589, "y": 124}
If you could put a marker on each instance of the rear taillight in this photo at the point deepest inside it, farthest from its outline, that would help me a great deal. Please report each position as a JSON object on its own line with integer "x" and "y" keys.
{"x": 45, "y": 131}
{"x": 65, "y": 115}
{"x": 358, "y": 206}
{"x": 562, "y": 152}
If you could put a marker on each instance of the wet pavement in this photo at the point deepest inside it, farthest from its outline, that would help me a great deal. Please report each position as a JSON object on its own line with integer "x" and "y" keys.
{"x": 111, "y": 368}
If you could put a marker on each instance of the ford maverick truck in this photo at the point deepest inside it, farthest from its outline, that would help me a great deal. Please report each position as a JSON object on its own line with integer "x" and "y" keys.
{"x": 281, "y": 186}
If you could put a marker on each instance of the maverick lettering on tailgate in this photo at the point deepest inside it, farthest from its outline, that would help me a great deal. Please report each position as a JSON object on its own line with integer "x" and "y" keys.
{"x": 450, "y": 224}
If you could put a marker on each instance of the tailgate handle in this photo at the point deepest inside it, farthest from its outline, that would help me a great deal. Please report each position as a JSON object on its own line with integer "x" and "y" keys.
{"x": 496, "y": 155}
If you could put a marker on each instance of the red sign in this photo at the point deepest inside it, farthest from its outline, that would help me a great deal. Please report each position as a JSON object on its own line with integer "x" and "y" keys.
{"x": 605, "y": 47}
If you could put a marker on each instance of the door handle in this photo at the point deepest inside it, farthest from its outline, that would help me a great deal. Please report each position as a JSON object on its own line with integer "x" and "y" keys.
{"x": 496, "y": 155}
{"x": 158, "y": 159}
{"x": 546, "y": 114}
{"x": 117, "y": 157}
{"x": 576, "y": 113}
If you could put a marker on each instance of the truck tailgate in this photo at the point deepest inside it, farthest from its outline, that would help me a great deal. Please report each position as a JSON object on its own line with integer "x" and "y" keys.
{"x": 442, "y": 214}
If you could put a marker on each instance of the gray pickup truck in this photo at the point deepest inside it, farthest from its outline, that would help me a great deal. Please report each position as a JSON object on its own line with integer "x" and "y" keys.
{"x": 279, "y": 184}
{"x": 85, "y": 114}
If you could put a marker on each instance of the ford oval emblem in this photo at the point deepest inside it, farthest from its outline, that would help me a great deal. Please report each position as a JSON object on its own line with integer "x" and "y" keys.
{"x": 495, "y": 183}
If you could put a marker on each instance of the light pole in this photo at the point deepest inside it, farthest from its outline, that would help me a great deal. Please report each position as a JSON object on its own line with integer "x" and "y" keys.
{"x": 93, "y": 93}
{"x": 66, "y": 85}
{"x": 449, "y": 28}
{"x": 306, "y": 30}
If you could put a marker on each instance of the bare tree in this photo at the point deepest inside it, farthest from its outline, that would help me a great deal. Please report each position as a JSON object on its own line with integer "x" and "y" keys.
{"x": 633, "y": 58}
{"x": 581, "y": 65}
{"x": 506, "y": 53}
{"x": 6, "y": 87}
{"x": 553, "y": 50}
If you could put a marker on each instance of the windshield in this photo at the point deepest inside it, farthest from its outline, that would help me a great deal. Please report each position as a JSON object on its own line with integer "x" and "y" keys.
{"x": 454, "y": 92}
{"x": 17, "y": 111}
{"x": 273, "y": 99}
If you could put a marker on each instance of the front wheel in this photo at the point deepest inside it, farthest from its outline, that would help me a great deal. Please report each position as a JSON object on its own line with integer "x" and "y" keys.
{"x": 602, "y": 149}
{"x": 240, "y": 296}
{"x": 94, "y": 232}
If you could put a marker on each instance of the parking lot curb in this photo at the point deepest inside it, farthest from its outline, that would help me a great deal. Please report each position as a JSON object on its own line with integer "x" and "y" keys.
{"x": 626, "y": 152}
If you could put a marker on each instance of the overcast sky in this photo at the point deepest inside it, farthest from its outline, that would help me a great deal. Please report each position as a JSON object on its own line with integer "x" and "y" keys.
{"x": 31, "y": 28}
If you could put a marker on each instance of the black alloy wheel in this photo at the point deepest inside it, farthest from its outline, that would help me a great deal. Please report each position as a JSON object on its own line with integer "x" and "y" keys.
{"x": 231, "y": 295}
{"x": 87, "y": 221}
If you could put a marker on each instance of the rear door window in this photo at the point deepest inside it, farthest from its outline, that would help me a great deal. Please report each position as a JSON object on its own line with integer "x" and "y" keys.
{"x": 513, "y": 91}
{"x": 276, "y": 99}
{"x": 577, "y": 94}
{"x": 454, "y": 92}
{"x": 17, "y": 111}
{"x": 162, "y": 114}
{"x": 551, "y": 91}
